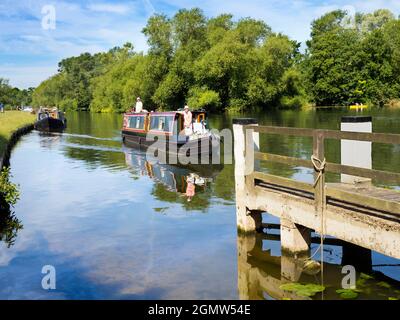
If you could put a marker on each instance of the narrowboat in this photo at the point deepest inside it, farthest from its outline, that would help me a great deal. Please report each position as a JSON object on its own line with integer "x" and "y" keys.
{"x": 169, "y": 126}
{"x": 50, "y": 120}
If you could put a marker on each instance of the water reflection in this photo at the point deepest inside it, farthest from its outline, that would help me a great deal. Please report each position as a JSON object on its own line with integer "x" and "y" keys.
{"x": 174, "y": 183}
{"x": 261, "y": 274}
{"x": 9, "y": 224}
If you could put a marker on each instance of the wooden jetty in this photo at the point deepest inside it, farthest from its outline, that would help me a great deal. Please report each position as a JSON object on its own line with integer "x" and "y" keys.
{"x": 358, "y": 213}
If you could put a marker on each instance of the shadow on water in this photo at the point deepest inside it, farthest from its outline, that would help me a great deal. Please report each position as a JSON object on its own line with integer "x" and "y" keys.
{"x": 263, "y": 275}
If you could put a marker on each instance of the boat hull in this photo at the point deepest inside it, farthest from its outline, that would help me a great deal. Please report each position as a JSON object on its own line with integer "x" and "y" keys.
{"x": 199, "y": 147}
{"x": 50, "y": 125}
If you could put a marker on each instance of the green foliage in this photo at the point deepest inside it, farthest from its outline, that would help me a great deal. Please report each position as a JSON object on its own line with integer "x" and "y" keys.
{"x": 212, "y": 63}
{"x": 349, "y": 63}
{"x": 366, "y": 276}
{"x": 221, "y": 64}
{"x": 347, "y": 293}
{"x": 9, "y": 193}
{"x": 384, "y": 284}
{"x": 202, "y": 98}
{"x": 303, "y": 290}
{"x": 14, "y": 97}
{"x": 9, "y": 227}
{"x": 71, "y": 88}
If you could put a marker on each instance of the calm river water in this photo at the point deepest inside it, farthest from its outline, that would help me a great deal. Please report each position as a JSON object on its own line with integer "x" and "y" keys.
{"x": 116, "y": 227}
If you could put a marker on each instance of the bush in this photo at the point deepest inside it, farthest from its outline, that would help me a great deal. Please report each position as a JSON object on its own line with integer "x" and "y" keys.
{"x": 237, "y": 105}
{"x": 201, "y": 98}
{"x": 68, "y": 104}
{"x": 292, "y": 102}
{"x": 9, "y": 193}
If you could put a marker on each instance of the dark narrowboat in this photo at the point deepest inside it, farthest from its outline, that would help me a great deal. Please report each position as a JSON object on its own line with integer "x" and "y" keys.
{"x": 50, "y": 120}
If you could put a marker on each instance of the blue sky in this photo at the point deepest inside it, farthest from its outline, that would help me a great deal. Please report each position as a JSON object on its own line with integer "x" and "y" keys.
{"x": 29, "y": 54}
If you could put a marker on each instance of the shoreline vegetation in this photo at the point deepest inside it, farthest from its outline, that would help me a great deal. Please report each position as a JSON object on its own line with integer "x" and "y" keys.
{"x": 10, "y": 122}
{"x": 220, "y": 64}
{"x": 13, "y": 124}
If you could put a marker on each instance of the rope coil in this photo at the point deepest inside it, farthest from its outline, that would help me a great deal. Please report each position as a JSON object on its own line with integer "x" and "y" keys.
{"x": 319, "y": 166}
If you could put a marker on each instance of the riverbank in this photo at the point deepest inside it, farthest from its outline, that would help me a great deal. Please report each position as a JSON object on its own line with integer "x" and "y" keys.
{"x": 13, "y": 124}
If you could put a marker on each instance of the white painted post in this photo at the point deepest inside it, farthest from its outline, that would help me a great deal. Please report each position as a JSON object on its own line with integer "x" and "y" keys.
{"x": 356, "y": 153}
{"x": 246, "y": 221}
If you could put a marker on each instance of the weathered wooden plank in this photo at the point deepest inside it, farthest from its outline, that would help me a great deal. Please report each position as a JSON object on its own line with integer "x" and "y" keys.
{"x": 380, "y": 175}
{"x": 388, "y": 138}
{"x": 369, "y": 201}
{"x": 283, "y": 159}
{"x": 282, "y": 182}
{"x": 363, "y": 172}
{"x": 304, "y": 132}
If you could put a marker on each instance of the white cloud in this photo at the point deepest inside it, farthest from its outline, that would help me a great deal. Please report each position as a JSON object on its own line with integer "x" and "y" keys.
{"x": 25, "y": 76}
{"x": 109, "y": 8}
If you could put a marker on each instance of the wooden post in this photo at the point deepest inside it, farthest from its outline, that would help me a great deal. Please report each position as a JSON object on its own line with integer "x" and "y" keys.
{"x": 247, "y": 221}
{"x": 319, "y": 188}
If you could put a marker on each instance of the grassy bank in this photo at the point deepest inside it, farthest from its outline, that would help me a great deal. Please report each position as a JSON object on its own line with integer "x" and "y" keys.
{"x": 11, "y": 121}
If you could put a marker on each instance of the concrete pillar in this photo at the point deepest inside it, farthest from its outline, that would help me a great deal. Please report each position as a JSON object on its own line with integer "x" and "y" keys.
{"x": 246, "y": 285}
{"x": 356, "y": 153}
{"x": 247, "y": 221}
{"x": 295, "y": 239}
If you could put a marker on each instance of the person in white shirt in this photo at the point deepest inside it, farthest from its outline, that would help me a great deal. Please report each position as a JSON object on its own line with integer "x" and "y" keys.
{"x": 139, "y": 105}
{"x": 187, "y": 117}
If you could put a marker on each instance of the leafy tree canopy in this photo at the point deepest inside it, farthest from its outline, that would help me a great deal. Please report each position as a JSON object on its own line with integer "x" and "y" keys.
{"x": 221, "y": 64}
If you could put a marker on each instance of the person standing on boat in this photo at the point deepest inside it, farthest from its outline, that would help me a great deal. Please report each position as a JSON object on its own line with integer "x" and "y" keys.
{"x": 188, "y": 121}
{"x": 139, "y": 105}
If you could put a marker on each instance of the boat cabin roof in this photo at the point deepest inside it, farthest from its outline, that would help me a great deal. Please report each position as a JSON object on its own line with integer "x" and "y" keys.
{"x": 167, "y": 113}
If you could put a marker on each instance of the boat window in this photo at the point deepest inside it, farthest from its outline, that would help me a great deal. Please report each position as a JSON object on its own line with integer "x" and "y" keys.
{"x": 162, "y": 123}
{"x": 140, "y": 123}
{"x": 132, "y": 122}
{"x": 136, "y": 122}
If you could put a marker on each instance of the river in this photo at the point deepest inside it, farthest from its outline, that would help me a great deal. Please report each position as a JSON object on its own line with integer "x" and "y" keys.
{"x": 115, "y": 227}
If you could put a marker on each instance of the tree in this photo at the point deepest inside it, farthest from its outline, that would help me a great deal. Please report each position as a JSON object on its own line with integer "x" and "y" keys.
{"x": 345, "y": 65}
{"x": 159, "y": 35}
{"x": 14, "y": 97}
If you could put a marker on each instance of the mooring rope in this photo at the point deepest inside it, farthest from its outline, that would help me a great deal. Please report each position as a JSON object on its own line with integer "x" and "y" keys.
{"x": 319, "y": 166}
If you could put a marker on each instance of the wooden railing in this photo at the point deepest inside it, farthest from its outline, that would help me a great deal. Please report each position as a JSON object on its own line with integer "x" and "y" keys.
{"x": 319, "y": 189}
